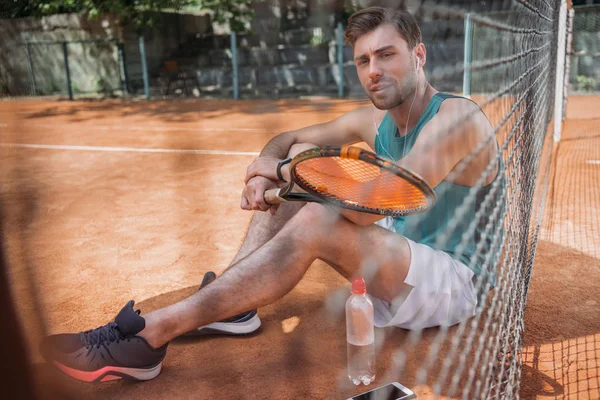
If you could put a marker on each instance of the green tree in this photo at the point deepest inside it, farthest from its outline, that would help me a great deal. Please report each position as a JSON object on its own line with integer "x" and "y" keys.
{"x": 142, "y": 13}
{"x": 236, "y": 13}
{"x": 15, "y": 9}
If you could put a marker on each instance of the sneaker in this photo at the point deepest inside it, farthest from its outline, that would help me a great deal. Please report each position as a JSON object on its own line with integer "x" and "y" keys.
{"x": 110, "y": 352}
{"x": 241, "y": 324}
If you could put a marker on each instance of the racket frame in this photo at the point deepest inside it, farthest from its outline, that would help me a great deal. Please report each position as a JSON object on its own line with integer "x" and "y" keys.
{"x": 285, "y": 193}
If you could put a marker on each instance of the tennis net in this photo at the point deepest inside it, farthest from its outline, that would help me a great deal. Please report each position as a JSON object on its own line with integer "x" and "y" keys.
{"x": 510, "y": 70}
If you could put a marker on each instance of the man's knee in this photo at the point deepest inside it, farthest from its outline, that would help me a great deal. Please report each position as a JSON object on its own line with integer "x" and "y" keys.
{"x": 312, "y": 212}
{"x": 314, "y": 220}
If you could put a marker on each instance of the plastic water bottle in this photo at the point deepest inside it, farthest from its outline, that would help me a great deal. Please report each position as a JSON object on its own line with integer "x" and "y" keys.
{"x": 360, "y": 334}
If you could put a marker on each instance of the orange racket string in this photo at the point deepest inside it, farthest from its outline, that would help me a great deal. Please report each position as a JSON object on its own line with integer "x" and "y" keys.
{"x": 360, "y": 183}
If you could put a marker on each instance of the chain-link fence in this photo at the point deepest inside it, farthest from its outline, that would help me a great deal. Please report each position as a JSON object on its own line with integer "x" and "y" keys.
{"x": 584, "y": 69}
{"x": 63, "y": 68}
{"x": 290, "y": 52}
{"x": 298, "y": 52}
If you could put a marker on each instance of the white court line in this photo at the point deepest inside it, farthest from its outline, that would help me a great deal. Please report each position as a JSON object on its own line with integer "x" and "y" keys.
{"x": 595, "y": 162}
{"x": 128, "y": 149}
{"x": 140, "y": 128}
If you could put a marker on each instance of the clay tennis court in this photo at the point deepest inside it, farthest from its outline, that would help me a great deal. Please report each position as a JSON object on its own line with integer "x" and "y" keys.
{"x": 107, "y": 201}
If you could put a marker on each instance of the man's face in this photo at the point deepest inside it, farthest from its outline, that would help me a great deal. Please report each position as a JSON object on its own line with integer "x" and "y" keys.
{"x": 386, "y": 67}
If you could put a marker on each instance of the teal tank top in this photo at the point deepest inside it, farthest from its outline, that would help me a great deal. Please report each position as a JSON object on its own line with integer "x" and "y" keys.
{"x": 431, "y": 228}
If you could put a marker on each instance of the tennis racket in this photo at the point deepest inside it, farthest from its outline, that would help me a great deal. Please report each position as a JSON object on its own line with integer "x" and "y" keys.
{"x": 356, "y": 179}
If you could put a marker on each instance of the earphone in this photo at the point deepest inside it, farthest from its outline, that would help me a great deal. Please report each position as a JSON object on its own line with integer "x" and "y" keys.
{"x": 408, "y": 117}
{"x": 413, "y": 100}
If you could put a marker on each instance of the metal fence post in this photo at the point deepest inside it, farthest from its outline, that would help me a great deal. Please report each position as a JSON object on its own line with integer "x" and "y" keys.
{"x": 66, "y": 57}
{"x": 234, "y": 65}
{"x": 31, "y": 73}
{"x": 144, "y": 66}
{"x": 468, "y": 55}
{"x": 122, "y": 68}
{"x": 340, "y": 58}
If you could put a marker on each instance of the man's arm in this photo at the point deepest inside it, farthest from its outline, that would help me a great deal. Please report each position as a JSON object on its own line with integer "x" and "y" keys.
{"x": 351, "y": 127}
{"x": 455, "y": 131}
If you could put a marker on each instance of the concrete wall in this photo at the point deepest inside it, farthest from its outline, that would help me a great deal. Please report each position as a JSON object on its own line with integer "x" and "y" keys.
{"x": 94, "y": 67}
{"x": 271, "y": 57}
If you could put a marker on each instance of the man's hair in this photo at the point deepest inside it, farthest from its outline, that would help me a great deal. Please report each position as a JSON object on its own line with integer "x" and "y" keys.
{"x": 368, "y": 19}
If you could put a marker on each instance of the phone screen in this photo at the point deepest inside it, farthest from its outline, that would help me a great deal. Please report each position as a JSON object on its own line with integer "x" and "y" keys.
{"x": 387, "y": 392}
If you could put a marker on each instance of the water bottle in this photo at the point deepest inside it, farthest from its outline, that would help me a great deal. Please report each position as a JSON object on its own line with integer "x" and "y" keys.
{"x": 360, "y": 334}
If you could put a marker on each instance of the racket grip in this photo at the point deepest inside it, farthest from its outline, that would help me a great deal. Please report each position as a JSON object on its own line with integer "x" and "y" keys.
{"x": 272, "y": 196}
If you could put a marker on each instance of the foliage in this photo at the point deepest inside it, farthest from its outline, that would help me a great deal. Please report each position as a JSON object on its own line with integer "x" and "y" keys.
{"x": 236, "y": 13}
{"x": 351, "y": 6}
{"x": 586, "y": 83}
{"x": 102, "y": 85}
{"x": 143, "y": 13}
{"x": 317, "y": 37}
{"x": 137, "y": 11}
{"x": 343, "y": 9}
{"x": 15, "y": 9}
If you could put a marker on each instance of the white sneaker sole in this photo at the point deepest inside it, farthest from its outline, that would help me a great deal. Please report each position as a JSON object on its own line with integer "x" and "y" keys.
{"x": 237, "y": 328}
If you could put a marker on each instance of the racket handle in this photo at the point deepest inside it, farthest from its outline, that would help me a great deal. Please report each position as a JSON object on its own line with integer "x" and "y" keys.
{"x": 272, "y": 196}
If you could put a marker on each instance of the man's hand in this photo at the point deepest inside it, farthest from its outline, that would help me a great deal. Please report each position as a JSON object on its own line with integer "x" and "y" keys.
{"x": 263, "y": 166}
{"x": 254, "y": 192}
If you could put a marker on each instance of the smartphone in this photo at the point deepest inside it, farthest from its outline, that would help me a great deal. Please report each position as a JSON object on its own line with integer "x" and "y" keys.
{"x": 391, "y": 391}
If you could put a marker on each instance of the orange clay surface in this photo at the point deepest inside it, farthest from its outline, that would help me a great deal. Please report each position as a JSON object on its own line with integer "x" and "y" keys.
{"x": 88, "y": 230}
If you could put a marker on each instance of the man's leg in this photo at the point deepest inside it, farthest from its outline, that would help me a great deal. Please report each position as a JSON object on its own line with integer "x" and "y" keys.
{"x": 134, "y": 346}
{"x": 264, "y": 226}
{"x": 274, "y": 269}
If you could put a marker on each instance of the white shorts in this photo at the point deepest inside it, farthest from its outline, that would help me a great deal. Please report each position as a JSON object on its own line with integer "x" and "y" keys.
{"x": 442, "y": 292}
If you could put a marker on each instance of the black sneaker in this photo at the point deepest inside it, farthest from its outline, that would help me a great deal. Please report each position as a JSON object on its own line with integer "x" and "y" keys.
{"x": 241, "y": 324}
{"x": 112, "y": 351}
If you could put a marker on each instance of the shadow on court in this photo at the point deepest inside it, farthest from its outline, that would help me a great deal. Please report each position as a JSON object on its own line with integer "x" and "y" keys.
{"x": 181, "y": 110}
{"x": 108, "y": 227}
{"x": 562, "y": 331}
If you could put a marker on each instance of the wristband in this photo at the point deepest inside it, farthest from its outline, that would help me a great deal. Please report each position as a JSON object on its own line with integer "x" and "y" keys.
{"x": 281, "y": 164}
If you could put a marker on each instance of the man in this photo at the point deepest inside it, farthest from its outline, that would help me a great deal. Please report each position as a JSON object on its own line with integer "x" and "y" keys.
{"x": 413, "y": 284}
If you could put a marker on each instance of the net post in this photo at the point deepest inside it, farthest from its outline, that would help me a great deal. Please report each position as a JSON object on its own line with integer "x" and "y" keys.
{"x": 234, "y": 65}
{"x": 569, "y": 51}
{"x": 31, "y": 73}
{"x": 340, "y": 58}
{"x": 468, "y": 55}
{"x": 560, "y": 71}
{"x": 68, "y": 72}
{"x": 142, "y": 46}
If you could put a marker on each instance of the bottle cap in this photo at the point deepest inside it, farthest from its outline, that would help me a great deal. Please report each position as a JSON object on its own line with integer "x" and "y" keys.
{"x": 358, "y": 286}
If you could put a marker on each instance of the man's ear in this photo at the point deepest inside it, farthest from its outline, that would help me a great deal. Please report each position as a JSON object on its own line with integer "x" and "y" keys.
{"x": 420, "y": 54}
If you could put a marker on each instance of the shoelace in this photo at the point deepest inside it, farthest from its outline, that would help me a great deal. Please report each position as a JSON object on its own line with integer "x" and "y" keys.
{"x": 96, "y": 337}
